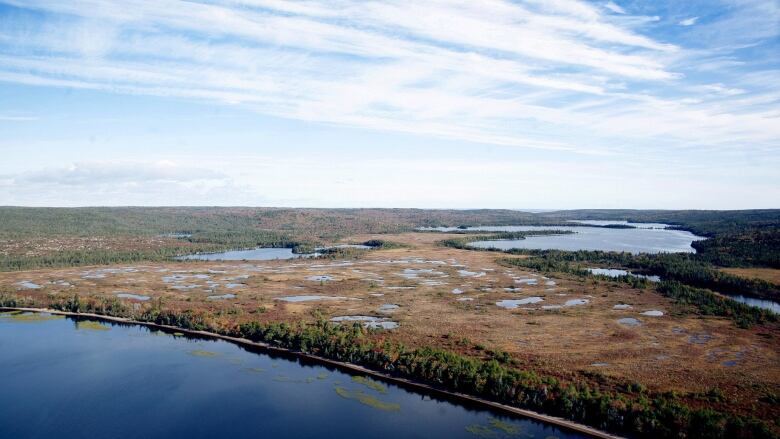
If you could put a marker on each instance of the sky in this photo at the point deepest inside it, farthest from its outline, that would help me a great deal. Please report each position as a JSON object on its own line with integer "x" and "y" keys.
{"x": 535, "y": 104}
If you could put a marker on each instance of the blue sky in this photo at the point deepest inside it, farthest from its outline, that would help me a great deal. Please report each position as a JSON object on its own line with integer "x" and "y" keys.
{"x": 441, "y": 104}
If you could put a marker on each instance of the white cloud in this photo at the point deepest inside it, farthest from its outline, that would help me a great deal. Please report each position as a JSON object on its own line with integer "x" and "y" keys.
{"x": 562, "y": 75}
{"x": 614, "y": 8}
{"x": 96, "y": 173}
{"x": 125, "y": 183}
{"x": 688, "y": 21}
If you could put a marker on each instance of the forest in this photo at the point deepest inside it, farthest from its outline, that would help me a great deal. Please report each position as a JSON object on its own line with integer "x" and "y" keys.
{"x": 748, "y": 238}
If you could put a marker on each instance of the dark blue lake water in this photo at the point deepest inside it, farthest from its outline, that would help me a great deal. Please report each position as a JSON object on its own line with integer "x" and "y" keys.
{"x": 63, "y": 379}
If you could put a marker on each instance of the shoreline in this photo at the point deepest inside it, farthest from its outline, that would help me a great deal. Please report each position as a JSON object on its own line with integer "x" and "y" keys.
{"x": 559, "y": 422}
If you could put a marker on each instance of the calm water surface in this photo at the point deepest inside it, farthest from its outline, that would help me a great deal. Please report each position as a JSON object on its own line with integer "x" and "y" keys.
{"x": 126, "y": 381}
{"x": 650, "y": 238}
{"x": 262, "y": 254}
{"x": 255, "y": 254}
{"x": 616, "y": 272}
{"x": 758, "y": 303}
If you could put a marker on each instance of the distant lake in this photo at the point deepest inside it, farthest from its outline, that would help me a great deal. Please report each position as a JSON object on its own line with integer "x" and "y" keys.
{"x": 64, "y": 379}
{"x": 615, "y": 272}
{"x": 262, "y": 254}
{"x": 646, "y": 239}
{"x": 255, "y": 254}
{"x": 758, "y": 303}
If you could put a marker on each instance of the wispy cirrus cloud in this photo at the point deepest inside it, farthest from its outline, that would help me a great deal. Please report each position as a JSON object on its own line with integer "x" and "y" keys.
{"x": 559, "y": 75}
{"x": 124, "y": 183}
{"x": 688, "y": 21}
{"x": 132, "y": 173}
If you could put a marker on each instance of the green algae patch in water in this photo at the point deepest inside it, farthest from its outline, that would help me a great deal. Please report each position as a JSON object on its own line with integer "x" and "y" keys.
{"x": 322, "y": 376}
{"x": 178, "y": 334}
{"x": 202, "y": 353}
{"x": 220, "y": 390}
{"x": 506, "y": 427}
{"x": 256, "y": 369}
{"x": 481, "y": 431}
{"x": 495, "y": 428}
{"x": 286, "y": 379}
{"x": 367, "y": 399}
{"x": 35, "y": 317}
{"x": 373, "y": 385}
{"x": 91, "y": 325}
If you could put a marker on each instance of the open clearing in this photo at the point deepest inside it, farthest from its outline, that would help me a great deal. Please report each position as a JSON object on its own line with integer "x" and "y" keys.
{"x": 768, "y": 274}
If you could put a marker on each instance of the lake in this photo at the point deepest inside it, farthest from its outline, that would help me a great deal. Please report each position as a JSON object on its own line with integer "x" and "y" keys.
{"x": 254, "y": 254}
{"x": 66, "y": 379}
{"x": 649, "y": 238}
{"x": 758, "y": 303}
{"x": 616, "y": 272}
{"x": 263, "y": 254}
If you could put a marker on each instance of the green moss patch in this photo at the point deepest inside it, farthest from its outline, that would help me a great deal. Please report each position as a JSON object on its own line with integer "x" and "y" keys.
{"x": 202, "y": 353}
{"x": 35, "y": 317}
{"x": 367, "y": 399}
{"x": 371, "y": 384}
{"x": 91, "y": 325}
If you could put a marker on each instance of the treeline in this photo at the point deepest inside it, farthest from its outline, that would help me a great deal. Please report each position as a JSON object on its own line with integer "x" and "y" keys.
{"x": 681, "y": 267}
{"x": 73, "y": 258}
{"x": 736, "y": 238}
{"x": 384, "y": 244}
{"x": 463, "y": 243}
{"x": 242, "y": 238}
{"x": 337, "y": 252}
{"x": 701, "y": 222}
{"x": 709, "y": 303}
{"x": 632, "y": 411}
{"x": 705, "y": 301}
{"x": 750, "y": 248}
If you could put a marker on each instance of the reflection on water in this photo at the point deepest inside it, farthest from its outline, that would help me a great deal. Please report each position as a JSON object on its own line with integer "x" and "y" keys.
{"x": 614, "y": 272}
{"x": 255, "y": 254}
{"x": 81, "y": 384}
{"x": 759, "y": 303}
{"x": 650, "y": 238}
{"x": 512, "y": 303}
{"x": 263, "y": 254}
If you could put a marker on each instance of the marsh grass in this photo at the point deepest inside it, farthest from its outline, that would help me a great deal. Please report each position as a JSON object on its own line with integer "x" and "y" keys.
{"x": 366, "y": 399}
{"x": 481, "y": 430}
{"x": 495, "y": 428}
{"x": 91, "y": 325}
{"x": 506, "y": 427}
{"x": 373, "y": 385}
{"x": 286, "y": 379}
{"x": 203, "y": 353}
{"x": 35, "y": 317}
